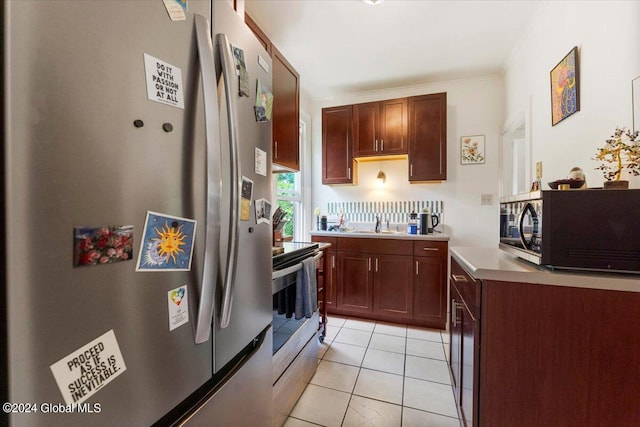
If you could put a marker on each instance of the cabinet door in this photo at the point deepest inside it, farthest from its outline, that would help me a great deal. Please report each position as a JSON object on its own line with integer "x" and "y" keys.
{"x": 365, "y": 128}
{"x": 355, "y": 282}
{"x": 393, "y": 126}
{"x": 470, "y": 357}
{"x": 393, "y": 285}
{"x": 430, "y": 290}
{"x": 337, "y": 145}
{"x": 455, "y": 343}
{"x": 286, "y": 114}
{"x": 428, "y": 137}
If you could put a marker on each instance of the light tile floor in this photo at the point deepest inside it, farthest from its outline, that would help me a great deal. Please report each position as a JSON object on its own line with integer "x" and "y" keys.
{"x": 379, "y": 374}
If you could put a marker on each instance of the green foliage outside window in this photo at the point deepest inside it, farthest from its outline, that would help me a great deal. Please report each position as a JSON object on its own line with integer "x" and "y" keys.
{"x": 286, "y": 189}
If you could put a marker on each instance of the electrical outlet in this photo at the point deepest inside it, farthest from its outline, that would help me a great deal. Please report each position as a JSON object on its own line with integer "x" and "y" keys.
{"x": 486, "y": 199}
{"x": 539, "y": 170}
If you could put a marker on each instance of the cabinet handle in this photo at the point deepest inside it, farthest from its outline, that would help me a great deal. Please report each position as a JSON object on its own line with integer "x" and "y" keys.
{"x": 455, "y": 306}
{"x": 349, "y": 173}
{"x": 376, "y": 147}
{"x": 376, "y": 264}
{"x": 458, "y": 278}
{"x": 453, "y": 312}
{"x": 369, "y": 263}
{"x": 276, "y": 153}
{"x": 431, "y": 249}
{"x": 382, "y": 145}
{"x": 411, "y": 169}
{"x": 333, "y": 261}
{"x": 417, "y": 268}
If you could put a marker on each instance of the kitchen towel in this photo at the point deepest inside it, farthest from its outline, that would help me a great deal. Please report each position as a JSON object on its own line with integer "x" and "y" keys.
{"x": 285, "y": 300}
{"x": 306, "y": 289}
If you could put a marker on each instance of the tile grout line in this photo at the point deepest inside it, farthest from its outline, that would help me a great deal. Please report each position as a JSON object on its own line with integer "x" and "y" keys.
{"x": 404, "y": 374}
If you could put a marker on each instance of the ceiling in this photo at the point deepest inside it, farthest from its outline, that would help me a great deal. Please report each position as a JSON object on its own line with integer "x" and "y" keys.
{"x": 348, "y": 46}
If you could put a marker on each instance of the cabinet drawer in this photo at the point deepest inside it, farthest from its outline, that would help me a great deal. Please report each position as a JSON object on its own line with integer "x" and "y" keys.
{"x": 375, "y": 246}
{"x": 325, "y": 239}
{"x": 467, "y": 286}
{"x": 430, "y": 248}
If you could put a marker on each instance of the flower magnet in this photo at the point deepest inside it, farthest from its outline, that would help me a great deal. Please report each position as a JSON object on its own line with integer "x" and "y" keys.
{"x": 102, "y": 245}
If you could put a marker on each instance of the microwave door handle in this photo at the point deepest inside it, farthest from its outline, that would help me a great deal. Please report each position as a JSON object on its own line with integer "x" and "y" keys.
{"x": 521, "y": 226}
{"x": 534, "y": 220}
{"x": 212, "y": 222}
{"x": 228, "y": 71}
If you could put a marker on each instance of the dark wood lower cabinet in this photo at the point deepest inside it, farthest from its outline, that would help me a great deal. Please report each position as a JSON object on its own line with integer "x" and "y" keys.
{"x": 392, "y": 280}
{"x": 430, "y": 297}
{"x": 464, "y": 343}
{"x": 330, "y": 262}
{"x": 541, "y": 355}
{"x": 355, "y": 285}
{"x": 393, "y": 285}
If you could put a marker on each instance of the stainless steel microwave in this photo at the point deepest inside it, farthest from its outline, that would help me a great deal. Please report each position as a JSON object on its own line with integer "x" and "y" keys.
{"x": 590, "y": 229}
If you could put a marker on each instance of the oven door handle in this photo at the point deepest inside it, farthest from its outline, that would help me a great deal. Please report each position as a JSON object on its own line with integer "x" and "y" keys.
{"x": 281, "y": 273}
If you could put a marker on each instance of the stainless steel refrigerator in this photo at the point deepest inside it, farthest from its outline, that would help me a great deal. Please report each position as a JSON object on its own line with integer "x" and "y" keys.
{"x": 136, "y": 280}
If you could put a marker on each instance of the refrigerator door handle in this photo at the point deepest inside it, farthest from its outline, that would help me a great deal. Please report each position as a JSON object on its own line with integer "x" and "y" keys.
{"x": 213, "y": 185}
{"x": 228, "y": 70}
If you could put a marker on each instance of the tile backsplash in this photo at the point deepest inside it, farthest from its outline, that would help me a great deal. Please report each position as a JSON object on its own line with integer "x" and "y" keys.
{"x": 394, "y": 212}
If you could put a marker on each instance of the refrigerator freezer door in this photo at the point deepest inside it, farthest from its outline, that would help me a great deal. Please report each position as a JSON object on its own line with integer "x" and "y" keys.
{"x": 250, "y": 299}
{"x": 75, "y": 85}
{"x": 245, "y": 399}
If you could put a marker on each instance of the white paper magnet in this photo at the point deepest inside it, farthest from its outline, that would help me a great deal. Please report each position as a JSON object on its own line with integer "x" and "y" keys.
{"x": 84, "y": 372}
{"x": 164, "y": 81}
{"x": 178, "y": 301}
{"x": 176, "y": 9}
{"x": 261, "y": 162}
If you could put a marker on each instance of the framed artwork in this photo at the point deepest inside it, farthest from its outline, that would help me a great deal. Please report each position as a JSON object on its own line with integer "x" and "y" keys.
{"x": 472, "y": 150}
{"x": 565, "y": 87}
{"x": 635, "y": 94}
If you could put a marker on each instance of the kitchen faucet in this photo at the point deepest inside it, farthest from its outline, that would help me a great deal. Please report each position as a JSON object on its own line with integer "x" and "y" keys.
{"x": 378, "y": 224}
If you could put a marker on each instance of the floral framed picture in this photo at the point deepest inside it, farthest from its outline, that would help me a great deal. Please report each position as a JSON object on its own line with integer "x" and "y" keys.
{"x": 565, "y": 88}
{"x": 472, "y": 150}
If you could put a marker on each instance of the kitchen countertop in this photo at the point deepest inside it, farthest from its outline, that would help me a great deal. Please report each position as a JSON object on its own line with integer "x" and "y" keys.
{"x": 496, "y": 264}
{"x": 383, "y": 235}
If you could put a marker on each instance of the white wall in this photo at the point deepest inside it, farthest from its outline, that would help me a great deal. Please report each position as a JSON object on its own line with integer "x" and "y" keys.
{"x": 474, "y": 107}
{"x": 607, "y": 34}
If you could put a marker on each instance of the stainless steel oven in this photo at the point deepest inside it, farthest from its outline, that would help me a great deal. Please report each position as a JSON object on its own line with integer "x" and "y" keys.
{"x": 295, "y": 341}
{"x": 590, "y": 229}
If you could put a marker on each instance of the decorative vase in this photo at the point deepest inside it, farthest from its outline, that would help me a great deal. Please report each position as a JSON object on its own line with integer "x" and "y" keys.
{"x": 616, "y": 185}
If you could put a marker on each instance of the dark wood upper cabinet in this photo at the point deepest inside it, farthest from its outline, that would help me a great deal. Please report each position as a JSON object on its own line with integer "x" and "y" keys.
{"x": 380, "y": 128}
{"x": 428, "y": 137}
{"x": 286, "y": 113}
{"x": 365, "y": 128}
{"x": 393, "y": 126}
{"x": 337, "y": 145}
{"x": 285, "y": 120}
{"x": 262, "y": 37}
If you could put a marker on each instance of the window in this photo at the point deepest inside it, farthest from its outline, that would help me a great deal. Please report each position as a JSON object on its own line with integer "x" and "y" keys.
{"x": 288, "y": 198}
{"x": 293, "y": 190}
